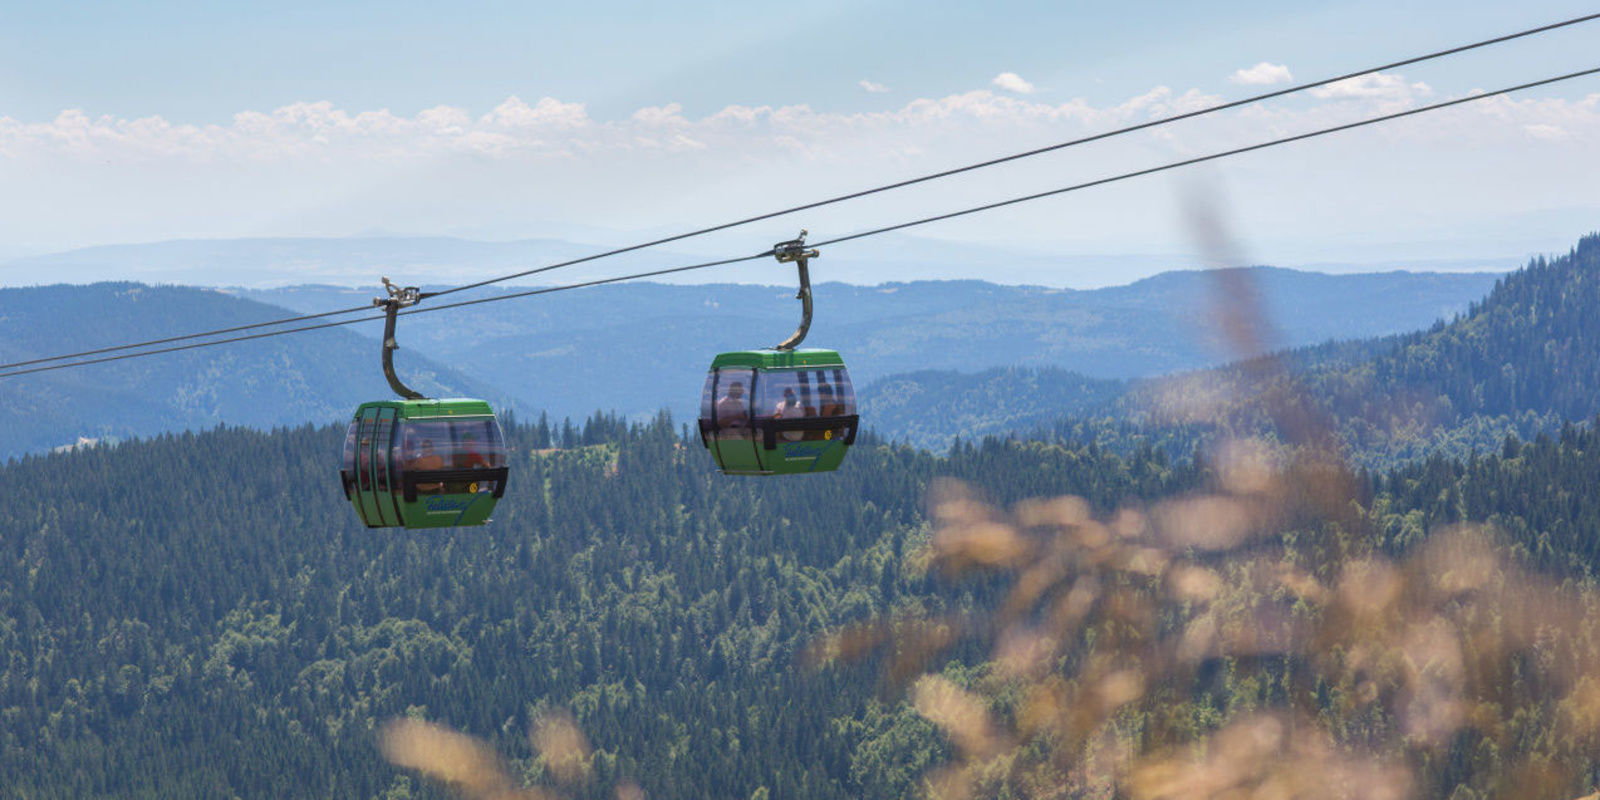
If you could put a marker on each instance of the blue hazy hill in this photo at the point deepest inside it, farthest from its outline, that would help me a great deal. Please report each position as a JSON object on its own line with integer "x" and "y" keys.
{"x": 285, "y": 380}
{"x": 636, "y": 348}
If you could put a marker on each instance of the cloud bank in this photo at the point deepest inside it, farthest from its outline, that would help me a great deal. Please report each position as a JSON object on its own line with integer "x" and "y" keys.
{"x": 550, "y": 128}
{"x": 314, "y": 168}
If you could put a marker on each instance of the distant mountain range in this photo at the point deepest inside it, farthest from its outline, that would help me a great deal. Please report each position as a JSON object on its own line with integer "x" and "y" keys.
{"x": 1522, "y": 361}
{"x": 638, "y": 348}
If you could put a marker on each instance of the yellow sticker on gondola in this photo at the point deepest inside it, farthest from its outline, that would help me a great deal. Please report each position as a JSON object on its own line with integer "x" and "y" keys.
{"x": 472, "y": 488}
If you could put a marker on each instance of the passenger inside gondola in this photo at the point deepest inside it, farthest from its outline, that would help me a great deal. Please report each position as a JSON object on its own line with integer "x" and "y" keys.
{"x": 830, "y": 405}
{"x": 467, "y": 455}
{"x": 826, "y": 407}
{"x": 789, "y": 408}
{"x": 733, "y": 413}
{"x": 425, "y": 460}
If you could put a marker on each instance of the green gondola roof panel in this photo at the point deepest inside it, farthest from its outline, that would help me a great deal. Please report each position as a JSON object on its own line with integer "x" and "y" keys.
{"x": 778, "y": 359}
{"x": 424, "y": 463}
{"x": 778, "y": 412}
{"x": 443, "y": 407}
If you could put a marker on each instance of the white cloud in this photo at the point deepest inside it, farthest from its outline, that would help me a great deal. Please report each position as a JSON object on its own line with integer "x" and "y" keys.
{"x": 875, "y": 88}
{"x": 669, "y": 115}
{"x": 1262, "y": 74}
{"x": 1387, "y": 89}
{"x": 1012, "y": 82}
{"x": 1161, "y": 102}
{"x": 1549, "y": 133}
{"x": 548, "y": 112}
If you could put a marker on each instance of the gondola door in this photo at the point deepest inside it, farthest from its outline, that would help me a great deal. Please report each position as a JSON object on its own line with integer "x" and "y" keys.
{"x": 383, "y": 475}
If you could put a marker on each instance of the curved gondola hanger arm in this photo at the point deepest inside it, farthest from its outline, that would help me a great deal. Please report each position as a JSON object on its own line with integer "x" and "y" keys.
{"x": 399, "y": 297}
{"x": 795, "y": 250}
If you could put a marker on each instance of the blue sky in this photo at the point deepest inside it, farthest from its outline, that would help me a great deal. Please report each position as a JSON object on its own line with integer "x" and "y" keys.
{"x": 140, "y": 122}
{"x": 205, "y": 61}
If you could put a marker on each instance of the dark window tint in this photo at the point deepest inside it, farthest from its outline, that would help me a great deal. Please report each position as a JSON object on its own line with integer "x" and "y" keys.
{"x": 364, "y": 452}
{"x": 707, "y": 393}
{"x": 348, "y": 463}
{"x": 796, "y": 393}
{"x": 381, "y": 451}
{"x": 834, "y": 383}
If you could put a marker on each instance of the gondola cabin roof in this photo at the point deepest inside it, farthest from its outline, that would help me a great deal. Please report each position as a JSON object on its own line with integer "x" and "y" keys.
{"x": 443, "y": 407}
{"x": 778, "y": 359}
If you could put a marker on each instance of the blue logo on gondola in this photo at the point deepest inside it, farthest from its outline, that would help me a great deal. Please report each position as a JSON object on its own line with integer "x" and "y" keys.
{"x": 806, "y": 449}
{"x": 441, "y": 504}
{"x": 799, "y": 451}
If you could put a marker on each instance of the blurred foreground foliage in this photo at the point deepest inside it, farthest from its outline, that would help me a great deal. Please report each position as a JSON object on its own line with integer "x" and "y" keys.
{"x": 1255, "y": 640}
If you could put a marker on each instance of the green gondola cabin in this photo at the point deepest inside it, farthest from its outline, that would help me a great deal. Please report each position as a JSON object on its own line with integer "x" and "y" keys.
{"x": 424, "y": 463}
{"x": 778, "y": 412}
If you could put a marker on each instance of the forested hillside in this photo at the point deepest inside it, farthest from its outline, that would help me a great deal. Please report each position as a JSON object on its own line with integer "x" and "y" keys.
{"x": 1530, "y": 345}
{"x": 201, "y": 615}
{"x": 1525, "y": 359}
{"x": 1543, "y": 494}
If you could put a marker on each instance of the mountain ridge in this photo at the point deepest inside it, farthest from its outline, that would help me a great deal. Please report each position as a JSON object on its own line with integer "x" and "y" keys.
{"x": 654, "y": 335}
{"x": 1521, "y": 361}
{"x": 639, "y": 348}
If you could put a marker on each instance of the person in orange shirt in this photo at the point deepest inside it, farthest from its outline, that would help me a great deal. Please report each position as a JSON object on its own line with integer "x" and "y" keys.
{"x": 426, "y": 460}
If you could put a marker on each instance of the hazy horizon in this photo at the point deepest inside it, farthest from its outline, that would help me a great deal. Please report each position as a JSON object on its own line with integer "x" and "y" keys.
{"x": 447, "y": 260}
